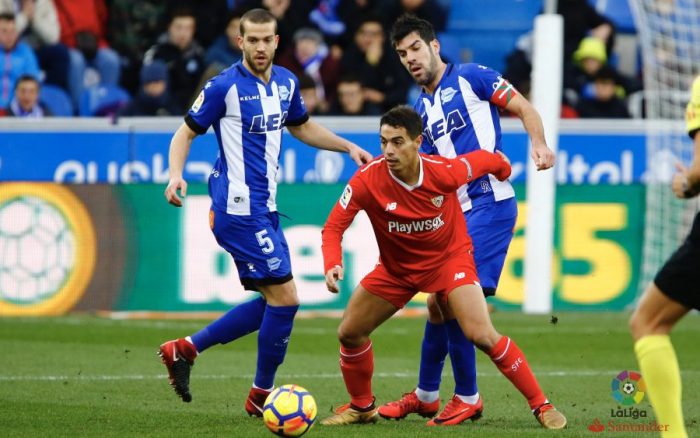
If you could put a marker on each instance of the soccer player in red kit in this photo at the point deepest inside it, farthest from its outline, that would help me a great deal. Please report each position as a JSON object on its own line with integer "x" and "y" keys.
{"x": 412, "y": 204}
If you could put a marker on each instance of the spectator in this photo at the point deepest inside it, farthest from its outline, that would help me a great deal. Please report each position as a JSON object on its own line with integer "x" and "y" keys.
{"x": 384, "y": 80}
{"x": 430, "y": 10}
{"x": 605, "y": 103}
{"x": 351, "y": 100}
{"x": 309, "y": 55}
{"x": 18, "y": 59}
{"x": 210, "y": 15}
{"x": 153, "y": 99}
{"x": 225, "y": 51}
{"x": 588, "y": 59}
{"x": 182, "y": 54}
{"x": 83, "y": 29}
{"x": 26, "y": 100}
{"x": 307, "y": 88}
{"x": 37, "y": 25}
{"x": 132, "y": 27}
{"x": 580, "y": 20}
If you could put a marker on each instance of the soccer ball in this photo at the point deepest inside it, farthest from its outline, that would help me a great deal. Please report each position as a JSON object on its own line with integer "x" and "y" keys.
{"x": 289, "y": 410}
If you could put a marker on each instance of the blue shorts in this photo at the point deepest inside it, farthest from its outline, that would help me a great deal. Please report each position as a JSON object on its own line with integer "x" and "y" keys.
{"x": 257, "y": 245}
{"x": 491, "y": 228}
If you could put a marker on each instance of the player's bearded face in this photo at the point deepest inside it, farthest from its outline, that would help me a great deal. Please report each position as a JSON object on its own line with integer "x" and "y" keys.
{"x": 419, "y": 58}
{"x": 258, "y": 45}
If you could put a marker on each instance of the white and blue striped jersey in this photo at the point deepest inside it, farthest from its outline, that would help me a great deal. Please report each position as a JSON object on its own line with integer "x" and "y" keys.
{"x": 461, "y": 117}
{"x": 248, "y": 116}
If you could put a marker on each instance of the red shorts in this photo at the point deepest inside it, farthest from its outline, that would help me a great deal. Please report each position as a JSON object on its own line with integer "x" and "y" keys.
{"x": 398, "y": 290}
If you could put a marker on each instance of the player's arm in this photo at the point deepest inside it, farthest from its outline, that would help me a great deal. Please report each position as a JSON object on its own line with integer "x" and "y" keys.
{"x": 476, "y": 164}
{"x": 338, "y": 221}
{"x": 686, "y": 183}
{"x": 179, "y": 149}
{"x": 320, "y": 137}
{"x": 532, "y": 122}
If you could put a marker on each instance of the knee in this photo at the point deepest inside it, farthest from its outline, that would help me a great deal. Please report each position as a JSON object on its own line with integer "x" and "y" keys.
{"x": 350, "y": 337}
{"x": 483, "y": 337}
{"x": 639, "y": 325}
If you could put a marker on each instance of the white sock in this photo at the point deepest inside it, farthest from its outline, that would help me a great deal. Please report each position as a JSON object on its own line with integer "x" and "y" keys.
{"x": 189, "y": 339}
{"x": 427, "y": 396}
{"x": 471, "y": 399}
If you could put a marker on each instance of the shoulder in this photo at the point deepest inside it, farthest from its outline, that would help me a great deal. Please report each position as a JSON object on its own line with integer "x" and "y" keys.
{"x": 372, "y": 167}
{"x": 283, "y": 73}
{"x": 473, "y": 70}
{"x": 435, "y": 161}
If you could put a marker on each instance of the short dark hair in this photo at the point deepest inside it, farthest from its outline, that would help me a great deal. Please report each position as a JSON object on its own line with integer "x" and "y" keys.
{"x": 306, "y": 82}
{"x": 403, "y": 116}
{"x": 350, "y": 77}
{"x": 258, "y": 16}
{"x": 180, "y": 12}
{"x": 605, "y": 73}
{"x": 7, "y": 16}
{"x": 27, "y": 78}
{"x": 408, "y": 23}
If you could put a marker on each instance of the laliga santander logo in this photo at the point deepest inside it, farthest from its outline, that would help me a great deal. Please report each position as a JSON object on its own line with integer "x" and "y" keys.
{"x": 628, "y": 388}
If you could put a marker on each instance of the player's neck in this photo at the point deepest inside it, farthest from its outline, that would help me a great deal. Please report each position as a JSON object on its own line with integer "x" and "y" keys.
{"x": 441, "y": 67}
{"x": 264, "y": 76}
{"x": 410, "y": 174}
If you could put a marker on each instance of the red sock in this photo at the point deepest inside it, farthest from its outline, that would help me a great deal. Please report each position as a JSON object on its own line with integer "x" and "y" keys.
{"x": 357, "y": 365}
{"x": 512, "y": 363}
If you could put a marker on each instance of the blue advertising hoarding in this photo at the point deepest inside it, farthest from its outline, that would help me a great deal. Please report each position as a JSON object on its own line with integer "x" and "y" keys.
{"x": 128, "y": 154}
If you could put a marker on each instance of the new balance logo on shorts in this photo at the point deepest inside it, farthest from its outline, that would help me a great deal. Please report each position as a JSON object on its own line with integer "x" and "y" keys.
{"x": 460, "y": 275}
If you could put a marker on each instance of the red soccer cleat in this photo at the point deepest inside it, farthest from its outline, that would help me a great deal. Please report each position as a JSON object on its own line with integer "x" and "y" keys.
{"x": 178, "y": 357}
{"x": 456, "y": 411}
{"x": 255, "y": 401}
{"x": 408, "y": 404}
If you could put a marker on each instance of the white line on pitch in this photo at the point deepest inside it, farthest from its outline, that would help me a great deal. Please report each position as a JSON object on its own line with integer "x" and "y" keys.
{"x": 575, "y": 373}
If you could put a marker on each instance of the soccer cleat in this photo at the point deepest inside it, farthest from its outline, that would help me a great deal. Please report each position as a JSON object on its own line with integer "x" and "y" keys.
{"x": 456, "y": 411}
{"x": 549, "y": 417}
{"x": 255, "y": 401}
{"x": 178, "y": 357}
{"x": 348, "y": 414}
{"x": 408, "y": 404}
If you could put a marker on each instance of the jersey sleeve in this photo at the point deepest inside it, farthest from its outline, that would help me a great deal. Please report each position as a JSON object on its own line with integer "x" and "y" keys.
{"x": 692, "y": 112}
{"x": 209, "y": 106}
{"x": 465, "y": 168}
{"x": 340, "y": 218}
{"x": 488, "y": 84}
{"x": 297, "y": 110}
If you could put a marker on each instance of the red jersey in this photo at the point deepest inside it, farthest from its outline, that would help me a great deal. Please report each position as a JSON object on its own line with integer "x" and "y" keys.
{"x": 417, "y": 227}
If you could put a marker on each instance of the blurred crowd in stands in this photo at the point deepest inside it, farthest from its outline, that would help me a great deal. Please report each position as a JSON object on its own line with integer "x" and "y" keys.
{"x": 151, "y": 57}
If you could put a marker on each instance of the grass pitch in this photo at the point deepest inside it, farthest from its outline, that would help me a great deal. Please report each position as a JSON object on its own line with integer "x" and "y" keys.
{"x": 87, "y": 376}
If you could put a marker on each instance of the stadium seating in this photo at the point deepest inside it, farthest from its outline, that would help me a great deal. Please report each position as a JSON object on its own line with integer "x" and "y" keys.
{"x": 102, "y": 100}
{"x": 487, "y": 30}
{"x": 56, "y": 100}
{"x": 619, "y": 12}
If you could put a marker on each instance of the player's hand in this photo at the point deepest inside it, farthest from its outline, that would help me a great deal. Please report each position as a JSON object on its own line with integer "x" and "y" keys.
{"x": 333, "y": 276}
{"x": 679, "y": 185}
{"x": 542, "y": 156}
{"x": 175, "y": 184}
{"x": 505, "y": 170}
{"x": 359, "y": 155}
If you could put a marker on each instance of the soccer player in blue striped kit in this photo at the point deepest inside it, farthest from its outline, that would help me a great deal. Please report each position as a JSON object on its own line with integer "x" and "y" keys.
{"x": 459, "y": 105}
{"x": 248, "y": 105}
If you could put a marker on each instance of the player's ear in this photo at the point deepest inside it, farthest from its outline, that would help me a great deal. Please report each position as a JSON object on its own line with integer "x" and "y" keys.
{"x": 435, "y": 44}
{"x": 239, "y": 41}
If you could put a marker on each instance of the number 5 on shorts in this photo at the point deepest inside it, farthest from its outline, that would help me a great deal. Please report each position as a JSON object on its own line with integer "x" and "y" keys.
{"x": 265, "y": 242}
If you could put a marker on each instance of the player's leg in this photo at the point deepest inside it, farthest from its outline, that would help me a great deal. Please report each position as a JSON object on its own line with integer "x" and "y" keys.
{"x": 425, "y": 399}
{"x": 651, "y": 324}
{"x": 365, "y": 311}
{"x": 469, "y": 306}
{"x": 675, "y": 290}
{"x": 491, "y": 229}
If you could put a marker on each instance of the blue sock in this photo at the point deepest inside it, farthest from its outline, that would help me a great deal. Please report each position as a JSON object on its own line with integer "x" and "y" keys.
{"x": 273, "y": 338}
{"x": 243, "y": 319}
{"x": 463, "y": 357}
{"x": 432, "y": 356}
